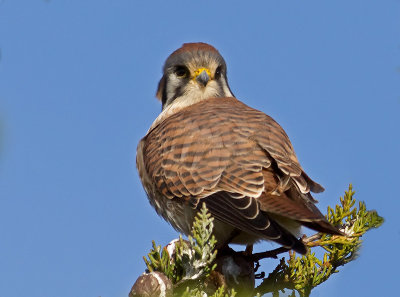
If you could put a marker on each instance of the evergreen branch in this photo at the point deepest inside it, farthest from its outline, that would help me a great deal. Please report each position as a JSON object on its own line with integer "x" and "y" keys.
{"x": 302, "y": 274}
{"x": 190, "y": 265}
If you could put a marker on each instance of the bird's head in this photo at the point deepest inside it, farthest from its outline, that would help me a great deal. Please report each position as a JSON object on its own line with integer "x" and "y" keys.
{"x": 194, "y": 72}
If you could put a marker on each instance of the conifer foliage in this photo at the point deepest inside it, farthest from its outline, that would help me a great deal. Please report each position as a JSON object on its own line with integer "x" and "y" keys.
{"x": 193, "y": 267}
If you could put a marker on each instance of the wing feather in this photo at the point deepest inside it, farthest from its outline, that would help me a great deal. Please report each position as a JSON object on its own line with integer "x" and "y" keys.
{"x": 238, "y": 160}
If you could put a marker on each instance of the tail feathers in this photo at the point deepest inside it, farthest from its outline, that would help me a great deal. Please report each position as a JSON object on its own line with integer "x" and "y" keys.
{"x": 299, "y": 247}
{"x": 288, "y": 240}
{"x": 322, "y": 226}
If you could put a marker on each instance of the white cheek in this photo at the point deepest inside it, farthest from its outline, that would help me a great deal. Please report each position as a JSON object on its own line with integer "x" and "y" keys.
{"x": 226, "y": 90}
{"x": 173, "y": 84}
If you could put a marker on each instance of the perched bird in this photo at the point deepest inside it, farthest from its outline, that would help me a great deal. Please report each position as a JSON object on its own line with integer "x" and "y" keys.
{"x": 208, "y": 147}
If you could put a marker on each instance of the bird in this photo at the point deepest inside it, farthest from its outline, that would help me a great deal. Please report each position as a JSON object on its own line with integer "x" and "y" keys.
{"x": 207, "y": 147}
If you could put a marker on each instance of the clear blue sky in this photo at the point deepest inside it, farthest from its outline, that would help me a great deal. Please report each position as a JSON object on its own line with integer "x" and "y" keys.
{"x": 77, "y": 85}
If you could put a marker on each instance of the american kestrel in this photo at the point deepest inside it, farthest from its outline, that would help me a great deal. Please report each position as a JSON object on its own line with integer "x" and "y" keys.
{"x": 208, "y": 147}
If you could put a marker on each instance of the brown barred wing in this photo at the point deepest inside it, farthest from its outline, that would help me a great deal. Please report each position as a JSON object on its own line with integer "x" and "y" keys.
{"x": 245, "y": 215}
{"x": 220, "y": 144}
{"x": 238, "y": 160}
{"x": 203, "y": 149}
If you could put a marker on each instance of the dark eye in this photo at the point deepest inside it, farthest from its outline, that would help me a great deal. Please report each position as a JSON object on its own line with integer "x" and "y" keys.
{"x": 181, "y": 71}
{"x": 217, "y": 74}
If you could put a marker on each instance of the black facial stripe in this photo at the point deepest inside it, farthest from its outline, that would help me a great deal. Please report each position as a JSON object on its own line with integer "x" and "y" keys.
{"x": 164, "y": 94}
{"x": 221, "y": 87}
{"x": 178, "y": 93}
{"x": 227, "y": 85}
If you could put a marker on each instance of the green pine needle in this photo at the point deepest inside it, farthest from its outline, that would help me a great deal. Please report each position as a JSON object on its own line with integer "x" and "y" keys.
{"x": 302, "y": 274}
{"x": 192, "y": 261}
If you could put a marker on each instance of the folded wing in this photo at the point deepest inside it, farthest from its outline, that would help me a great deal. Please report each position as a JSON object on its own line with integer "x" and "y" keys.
{"x": 238, "y": 161}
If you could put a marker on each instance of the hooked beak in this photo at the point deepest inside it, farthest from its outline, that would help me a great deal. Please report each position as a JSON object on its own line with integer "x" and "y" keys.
{"x": 202, "y": 76}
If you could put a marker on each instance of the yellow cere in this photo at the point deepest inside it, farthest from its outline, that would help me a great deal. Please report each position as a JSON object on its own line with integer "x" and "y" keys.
{"x": 200, "y": 70}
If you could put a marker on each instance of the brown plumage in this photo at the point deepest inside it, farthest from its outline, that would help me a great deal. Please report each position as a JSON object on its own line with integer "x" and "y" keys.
{"x": 217, "y": 150}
